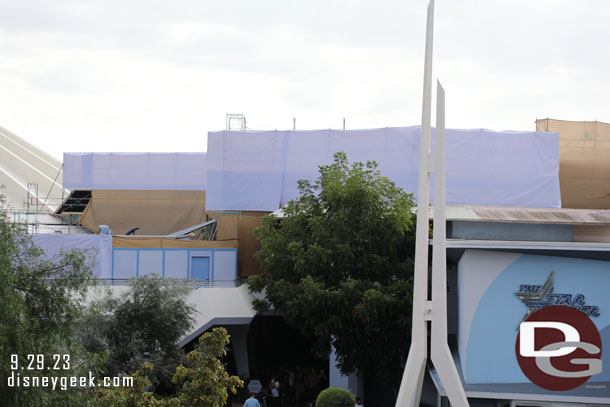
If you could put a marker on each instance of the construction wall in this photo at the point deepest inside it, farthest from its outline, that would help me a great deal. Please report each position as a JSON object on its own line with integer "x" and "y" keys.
{"x": 259, "y": 170}
{"x": 241, "y": 227}
{"x": 584, "y": 163}
{"x": 248, "y": 245}
{"x": 213, "y": 264}
{"x": 96, "y": 248}
{"x": 227, "y": 227}
{"x": 154, "y": 212}
{"x": 170, "y": 171}
{"x": 159, "y": 243}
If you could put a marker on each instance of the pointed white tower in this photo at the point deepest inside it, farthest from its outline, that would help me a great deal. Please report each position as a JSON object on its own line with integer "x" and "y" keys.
{"x": 430, "y": 312}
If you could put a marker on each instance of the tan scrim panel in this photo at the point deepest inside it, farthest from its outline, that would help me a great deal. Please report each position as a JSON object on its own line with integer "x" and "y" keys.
{"x": 227, "y": 227}
{"x": 592, "y": 233}
{"x": 205, "y": 244}
{"x": 160, "y": 243}
{"x": 154, "y": 212}
{"x": 136, "y": 242}
{"x": 241, "y": 226}
{"x": 584, "y": 164}
{"x": 248, "y": 245}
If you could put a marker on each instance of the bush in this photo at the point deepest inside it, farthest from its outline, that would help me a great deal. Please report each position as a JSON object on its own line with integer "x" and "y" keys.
{"x": 335, "y": 397}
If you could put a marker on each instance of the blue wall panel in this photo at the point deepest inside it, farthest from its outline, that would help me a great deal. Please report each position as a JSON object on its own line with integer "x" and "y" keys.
{"x": 176, "y": 263}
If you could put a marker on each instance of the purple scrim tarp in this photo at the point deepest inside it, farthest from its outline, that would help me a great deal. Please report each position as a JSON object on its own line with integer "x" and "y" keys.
{"x": 165, "y": 171}
{"x": 97, "y": 248}
{"x": 259, "y": 170}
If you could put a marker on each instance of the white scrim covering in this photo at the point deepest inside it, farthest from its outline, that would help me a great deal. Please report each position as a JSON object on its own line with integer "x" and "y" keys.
{"x": 259, "y": 170}
{"x": 97, "y": 248}
{"x": 168, "y": 171}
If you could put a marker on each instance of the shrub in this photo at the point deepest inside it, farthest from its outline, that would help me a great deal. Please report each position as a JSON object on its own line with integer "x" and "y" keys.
{"x": 335, "y": 397}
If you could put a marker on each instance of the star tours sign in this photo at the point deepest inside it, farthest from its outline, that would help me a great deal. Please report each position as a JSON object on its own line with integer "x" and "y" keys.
{"x": 536, "y": 297}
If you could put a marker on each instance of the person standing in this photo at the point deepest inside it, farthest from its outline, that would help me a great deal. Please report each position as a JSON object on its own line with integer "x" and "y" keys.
{"x": 275, "y": 392}
{"x": 311, "y": 385}
{"x": 322, "y": 380}
{"x": 252, "y": 401}
{"x": 299, "y": 386}
{"x": 265, "y": 398}
{"x": 291, "y": 380}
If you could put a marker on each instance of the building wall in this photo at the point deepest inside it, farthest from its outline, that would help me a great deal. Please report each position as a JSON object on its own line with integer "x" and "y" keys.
{"x": 173, "y": 262}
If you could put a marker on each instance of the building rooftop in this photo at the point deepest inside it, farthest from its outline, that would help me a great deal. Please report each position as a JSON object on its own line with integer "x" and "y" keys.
{"x": 505, "y": 214}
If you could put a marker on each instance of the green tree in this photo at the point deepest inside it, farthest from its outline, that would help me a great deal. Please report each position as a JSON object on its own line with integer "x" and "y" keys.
{"x": 204, "y": 381}
{"x": 137, "y": 395}
{"x": 144, "y": 324}
{"x": 41, "y": 300}
{"x": 339, "y": 266}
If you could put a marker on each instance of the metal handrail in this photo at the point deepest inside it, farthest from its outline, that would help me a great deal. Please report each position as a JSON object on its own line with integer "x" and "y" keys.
{"x": 193, "y": 282}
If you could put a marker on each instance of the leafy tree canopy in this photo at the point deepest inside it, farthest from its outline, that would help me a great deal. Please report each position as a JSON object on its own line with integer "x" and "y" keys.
{"x": 40, "y": 303}
{"x": 203, "y": 379}
{"x": 144, "y": 324}
{"x": 339, "y": 266}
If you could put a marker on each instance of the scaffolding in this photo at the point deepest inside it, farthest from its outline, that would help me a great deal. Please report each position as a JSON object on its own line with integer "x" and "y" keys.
{"x": 28, "y": 216}
{"x": 236, "y": 121}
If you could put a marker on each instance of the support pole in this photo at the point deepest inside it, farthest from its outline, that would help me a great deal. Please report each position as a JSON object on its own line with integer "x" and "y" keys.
{"x": 432, "y": 309}
{"x": 440, "y": 353}
{"x": 410, "y": 387}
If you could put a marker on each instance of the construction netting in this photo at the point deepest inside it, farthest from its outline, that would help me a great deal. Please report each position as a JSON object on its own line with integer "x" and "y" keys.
{"x": 160, "y": 243}
{"x": 584, "y": 164}
{"x": 170, "y": 171}
{"x": 259, "y": 170}
{"x": 97, "y": 248}
{"x": 158, "y": 212}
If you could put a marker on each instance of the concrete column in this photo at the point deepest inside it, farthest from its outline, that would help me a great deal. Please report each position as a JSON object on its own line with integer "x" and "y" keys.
{"x": 336, "y": 379}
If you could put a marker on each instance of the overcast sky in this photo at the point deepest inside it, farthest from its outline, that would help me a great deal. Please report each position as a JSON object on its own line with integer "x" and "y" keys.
{"x": 151, "y": 75}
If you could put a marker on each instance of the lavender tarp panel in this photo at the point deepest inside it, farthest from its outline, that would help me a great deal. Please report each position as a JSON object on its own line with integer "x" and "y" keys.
{"x": 252, "y": 170}
{"x": 247, "y": 172}
{"x": 97, "y": 247}
{"x": 166, "y": 171}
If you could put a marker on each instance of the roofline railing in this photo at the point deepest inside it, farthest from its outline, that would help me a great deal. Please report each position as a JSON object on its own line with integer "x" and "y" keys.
{"x": 193, "y": 282}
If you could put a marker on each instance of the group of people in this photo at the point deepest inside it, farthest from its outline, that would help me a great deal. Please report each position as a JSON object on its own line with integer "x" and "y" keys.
{"x": 253, "y": 402}
{"x": 291, "y": 387}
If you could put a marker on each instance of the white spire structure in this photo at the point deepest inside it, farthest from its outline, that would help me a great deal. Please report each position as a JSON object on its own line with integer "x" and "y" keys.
{"x": 430, "y": 311}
